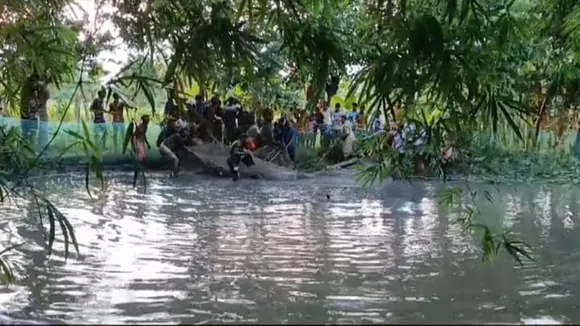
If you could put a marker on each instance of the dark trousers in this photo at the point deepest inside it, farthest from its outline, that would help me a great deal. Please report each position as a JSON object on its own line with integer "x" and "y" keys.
{"x": 291, "y": 152}
{"x": 231, "y": 134}
{"x": 234, "y": 162}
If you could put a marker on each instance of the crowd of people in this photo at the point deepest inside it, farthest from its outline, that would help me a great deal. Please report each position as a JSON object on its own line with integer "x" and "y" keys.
{"x": 230, "y": 124}
{"x": 244, "y": 131}
{"x": 226, "y": 123}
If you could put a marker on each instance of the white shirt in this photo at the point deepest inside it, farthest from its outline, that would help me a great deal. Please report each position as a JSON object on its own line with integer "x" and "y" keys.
{"x": 337, "y": 117}
{"x": 181, "y": 123}
{"x": 409, "y": 131}
{"x": 347, "y": 130}
{"x": 327, "y": 117}
{"x": 233, "y": 107}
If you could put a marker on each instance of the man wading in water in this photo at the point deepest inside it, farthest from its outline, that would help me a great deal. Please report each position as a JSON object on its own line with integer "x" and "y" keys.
{"x": 240, "y": 153}
{"x": 170, "y": 146}
{"x": 140, "y": 139}
{"x": 141, "y": 145}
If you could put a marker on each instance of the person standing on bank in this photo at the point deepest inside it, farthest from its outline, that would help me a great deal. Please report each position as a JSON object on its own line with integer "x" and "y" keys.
{"x": 98, "y": 109}
{"x": 116, "y": 109}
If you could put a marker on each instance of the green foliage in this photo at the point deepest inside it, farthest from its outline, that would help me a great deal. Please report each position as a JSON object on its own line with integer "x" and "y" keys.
{"x": 492, "y": 242}
{"x": 93, "y": 151}
{"x": 128, "y": 137}
{"x": 38, "y": 42}
{"x": 388, "y": 162}
{"x": 16, "y": 159}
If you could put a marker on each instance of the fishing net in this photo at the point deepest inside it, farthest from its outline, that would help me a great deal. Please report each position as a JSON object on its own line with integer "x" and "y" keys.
{"x": 66, "y": 147}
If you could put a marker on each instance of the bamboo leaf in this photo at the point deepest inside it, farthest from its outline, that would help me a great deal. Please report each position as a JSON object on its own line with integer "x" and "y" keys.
{"x": 51, "y": 229}
{"x": 128, "y": 136}
{"x": 6, "y": 271}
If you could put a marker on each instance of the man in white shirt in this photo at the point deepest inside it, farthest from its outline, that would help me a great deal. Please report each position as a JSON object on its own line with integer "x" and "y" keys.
{"x": 347, "y": 136}
{"x": 337, "y": 115}
{"x": 326, "y": 127}
{"x": 408, "y": 134}
{"x": 326, "y": 117}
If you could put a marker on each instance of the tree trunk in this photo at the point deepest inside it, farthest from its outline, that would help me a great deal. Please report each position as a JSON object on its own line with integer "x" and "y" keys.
{"x": 43, "y": 96}
{"x": 27, "y": 95}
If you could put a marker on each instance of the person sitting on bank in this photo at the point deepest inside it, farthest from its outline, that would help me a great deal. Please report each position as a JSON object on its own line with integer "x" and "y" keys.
{"x": 240, "y": 153}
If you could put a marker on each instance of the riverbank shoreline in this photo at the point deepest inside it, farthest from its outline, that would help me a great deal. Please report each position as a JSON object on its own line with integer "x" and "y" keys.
{"x": 156, "y": 163}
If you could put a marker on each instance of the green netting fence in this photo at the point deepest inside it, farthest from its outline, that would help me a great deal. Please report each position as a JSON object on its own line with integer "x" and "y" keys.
{"x": 62, "y": 149}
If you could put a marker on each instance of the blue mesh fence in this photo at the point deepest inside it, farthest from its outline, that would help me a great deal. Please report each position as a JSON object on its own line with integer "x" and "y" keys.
{"x": 62, "y": 147}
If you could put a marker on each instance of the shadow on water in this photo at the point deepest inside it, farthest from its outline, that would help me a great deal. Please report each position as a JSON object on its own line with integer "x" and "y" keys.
{"x": 197, "y": 250}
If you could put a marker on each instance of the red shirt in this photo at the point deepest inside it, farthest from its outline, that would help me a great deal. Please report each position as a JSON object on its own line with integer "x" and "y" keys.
{"x": 251, "y": 146}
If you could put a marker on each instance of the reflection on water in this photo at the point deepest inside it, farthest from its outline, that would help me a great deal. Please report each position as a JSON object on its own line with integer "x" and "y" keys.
{"x": 200, "y": 250}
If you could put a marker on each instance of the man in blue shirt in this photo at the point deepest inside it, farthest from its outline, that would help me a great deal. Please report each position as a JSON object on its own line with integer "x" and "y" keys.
{"x": 288, "y": 137}
{"x": 170, "y": 106}
{"x": 199, "y": 105}
{"x": 337, "y": 116}
{"x": 354, "y": 114}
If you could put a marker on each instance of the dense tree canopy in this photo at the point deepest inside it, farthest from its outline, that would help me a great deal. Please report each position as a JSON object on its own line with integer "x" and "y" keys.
{"x": 497, "y": 61}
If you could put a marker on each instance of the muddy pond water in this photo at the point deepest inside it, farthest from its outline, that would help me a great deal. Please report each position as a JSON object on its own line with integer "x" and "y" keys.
{"x": 201, "y": 250}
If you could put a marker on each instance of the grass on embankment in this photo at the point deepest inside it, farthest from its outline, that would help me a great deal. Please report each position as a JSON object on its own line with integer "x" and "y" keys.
{"x": 484, "y": 160}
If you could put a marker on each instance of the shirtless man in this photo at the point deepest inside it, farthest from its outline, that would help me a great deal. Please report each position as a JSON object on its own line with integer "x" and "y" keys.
{"x": 170, "y": 146}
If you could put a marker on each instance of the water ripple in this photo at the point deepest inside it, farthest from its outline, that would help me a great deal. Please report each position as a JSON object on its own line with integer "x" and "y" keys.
{"x": 196, "y": 250}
